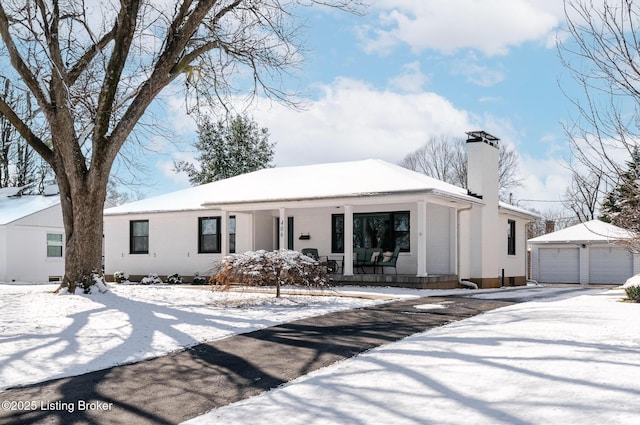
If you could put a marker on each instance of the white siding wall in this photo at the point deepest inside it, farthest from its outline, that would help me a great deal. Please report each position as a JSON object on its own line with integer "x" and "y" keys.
{"x": 23, "y": 247}
{"x": 27, "y": 259}
{"x": 173, "y": 243}
{"x": 3, "y": 254}
{"x": 439, "y": 240}
{"x": 317, "y": 224}
{"x": 264, "y": 231}
{"x": 513, "y": 265}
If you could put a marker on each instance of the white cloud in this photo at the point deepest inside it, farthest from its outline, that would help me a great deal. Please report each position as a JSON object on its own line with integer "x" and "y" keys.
{"x": 476, "y": 73}
{"x": 489, "y": 26}
{"x": 545, "y": 183}
{"x": 352, "y": 120}
{"x": 411, "y": 80}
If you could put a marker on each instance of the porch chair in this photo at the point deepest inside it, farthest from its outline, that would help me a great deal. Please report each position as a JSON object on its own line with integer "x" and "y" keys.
{"x": 366, "y": 257}
{"x": 390, "y": 261}
{"x": 331, "y": 265}
{"x": 311, "y": 252}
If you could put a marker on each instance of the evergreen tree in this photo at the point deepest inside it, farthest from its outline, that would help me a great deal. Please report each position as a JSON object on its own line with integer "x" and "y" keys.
{"x": 228, "y": 148}
{"x": 621, "y": 206}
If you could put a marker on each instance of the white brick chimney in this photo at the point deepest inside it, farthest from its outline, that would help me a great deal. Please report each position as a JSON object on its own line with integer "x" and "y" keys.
{"x": 485, "y": 232}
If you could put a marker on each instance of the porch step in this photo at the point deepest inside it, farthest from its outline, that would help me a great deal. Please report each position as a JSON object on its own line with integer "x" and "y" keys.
{"x": 401, "y": 280}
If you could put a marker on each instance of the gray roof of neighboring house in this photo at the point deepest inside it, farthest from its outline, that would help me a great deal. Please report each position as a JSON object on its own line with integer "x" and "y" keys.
{"x": 15, "y": 208}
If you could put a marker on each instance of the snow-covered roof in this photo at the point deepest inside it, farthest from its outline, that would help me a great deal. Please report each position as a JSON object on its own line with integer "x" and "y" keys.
{"x": 517, "y": 210}
{"x": 591, "y": 231}
{"x": 15, "y": 208}
{"x": 319, "y": 181}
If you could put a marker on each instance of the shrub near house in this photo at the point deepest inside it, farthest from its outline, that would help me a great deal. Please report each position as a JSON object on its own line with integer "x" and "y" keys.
{"x": 275, "y": 268}
{"x": 632, "y": 288}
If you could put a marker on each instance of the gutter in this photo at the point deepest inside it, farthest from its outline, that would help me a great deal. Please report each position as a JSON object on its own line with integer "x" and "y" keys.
{"x": 459, "y": 198}
{"x": 466, "y": 283}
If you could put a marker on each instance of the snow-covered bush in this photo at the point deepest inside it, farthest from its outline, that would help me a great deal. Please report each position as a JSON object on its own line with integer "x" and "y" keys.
{"x": 632, "y": 288}
{"x": 89, "y": 285}
{"x": 120, "y": 277}
{"x": 199, "y": 280}
{"x": 174, "y": 279}
{"x": 151, "y": 279}
{"x": 275, "y": 268}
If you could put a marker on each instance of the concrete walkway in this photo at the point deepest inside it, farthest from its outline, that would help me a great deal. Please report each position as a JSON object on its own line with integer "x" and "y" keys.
{"x": 186, "y": 384}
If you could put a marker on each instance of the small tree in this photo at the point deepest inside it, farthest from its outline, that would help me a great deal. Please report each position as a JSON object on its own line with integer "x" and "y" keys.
{"x": 270, "y": 268}
{"x": 228, "y": 148}
{"x": 583, "y": 195}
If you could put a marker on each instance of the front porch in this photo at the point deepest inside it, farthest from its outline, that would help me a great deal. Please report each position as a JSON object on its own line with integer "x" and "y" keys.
{"x": 400, "y": 280}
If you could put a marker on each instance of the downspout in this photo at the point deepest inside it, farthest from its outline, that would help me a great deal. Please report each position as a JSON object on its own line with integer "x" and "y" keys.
{"x": 466, "y": 283}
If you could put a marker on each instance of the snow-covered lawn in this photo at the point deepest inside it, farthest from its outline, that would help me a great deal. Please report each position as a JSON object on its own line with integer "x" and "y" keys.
{"x": 45, "y": 336}
{"x": 569, "y": 360}
{"x": 564, "y": 359}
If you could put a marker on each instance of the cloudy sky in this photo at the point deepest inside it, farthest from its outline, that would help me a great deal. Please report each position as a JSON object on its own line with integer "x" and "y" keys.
{"x": 382, "y": 84}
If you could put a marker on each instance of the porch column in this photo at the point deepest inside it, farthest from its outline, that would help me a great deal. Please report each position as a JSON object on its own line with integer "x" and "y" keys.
{"x": 282, "y": 229}
{"x": 422, "y": 239}
{"x": 348, "y": 240}
{"x": 224, "y": 233}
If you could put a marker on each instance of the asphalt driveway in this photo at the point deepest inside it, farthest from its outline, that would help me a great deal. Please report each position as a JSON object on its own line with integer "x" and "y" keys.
{"x": 183, "y": 385}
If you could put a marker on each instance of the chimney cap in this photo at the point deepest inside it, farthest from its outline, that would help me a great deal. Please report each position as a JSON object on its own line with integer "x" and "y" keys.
{"x": 482, "y": 136}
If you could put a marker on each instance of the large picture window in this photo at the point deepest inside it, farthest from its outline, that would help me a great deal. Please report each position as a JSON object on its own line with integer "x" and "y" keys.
{"x": 373, "y": 230}
{"x": 139, "y": 237}
{"x": 208, "y": 235}
{"x": 54, "y": 245}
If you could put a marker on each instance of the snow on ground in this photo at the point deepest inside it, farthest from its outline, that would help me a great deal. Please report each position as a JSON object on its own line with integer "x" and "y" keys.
{"x": 567, "y": 356}
{"x": 563, "y": 360}
{"x": 45, "y": 336}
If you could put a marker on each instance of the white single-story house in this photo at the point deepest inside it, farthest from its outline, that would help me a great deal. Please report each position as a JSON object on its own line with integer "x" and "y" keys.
{"x": 31, "y": 237}
{"x": 587, "y": 253}
{"x": 440, "y": 229}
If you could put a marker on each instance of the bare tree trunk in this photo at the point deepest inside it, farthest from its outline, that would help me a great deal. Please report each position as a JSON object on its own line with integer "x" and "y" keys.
{"x": 82, "y": 199}
{"x": 83, "y": 247}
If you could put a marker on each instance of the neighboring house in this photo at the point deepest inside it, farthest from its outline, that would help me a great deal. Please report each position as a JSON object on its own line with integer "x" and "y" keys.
{"x": 31, "y": 237}
{"x": 588, "y": 253}
{"x": 441, "y": 229}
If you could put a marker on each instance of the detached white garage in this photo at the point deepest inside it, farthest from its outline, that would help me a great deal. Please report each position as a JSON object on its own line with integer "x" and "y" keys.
{"x": 587, "y": 253}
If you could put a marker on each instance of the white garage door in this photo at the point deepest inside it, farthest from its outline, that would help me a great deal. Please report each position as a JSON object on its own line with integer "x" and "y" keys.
{"x": 559, "y": 265}
{"x": 609, "y": 265}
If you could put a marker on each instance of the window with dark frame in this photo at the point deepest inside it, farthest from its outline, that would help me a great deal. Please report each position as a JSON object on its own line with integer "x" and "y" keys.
{"x": 511, "y": 238}
{"x": 54, "y": 245}
{"x": 232, "y": 234}
{"x": 373, "y": 230}
{"x": 139, "y": 237}
{"x": 209, "y": 235}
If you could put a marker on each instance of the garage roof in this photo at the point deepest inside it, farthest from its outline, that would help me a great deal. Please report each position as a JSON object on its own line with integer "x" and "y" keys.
{"x": 590, "y": 231}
